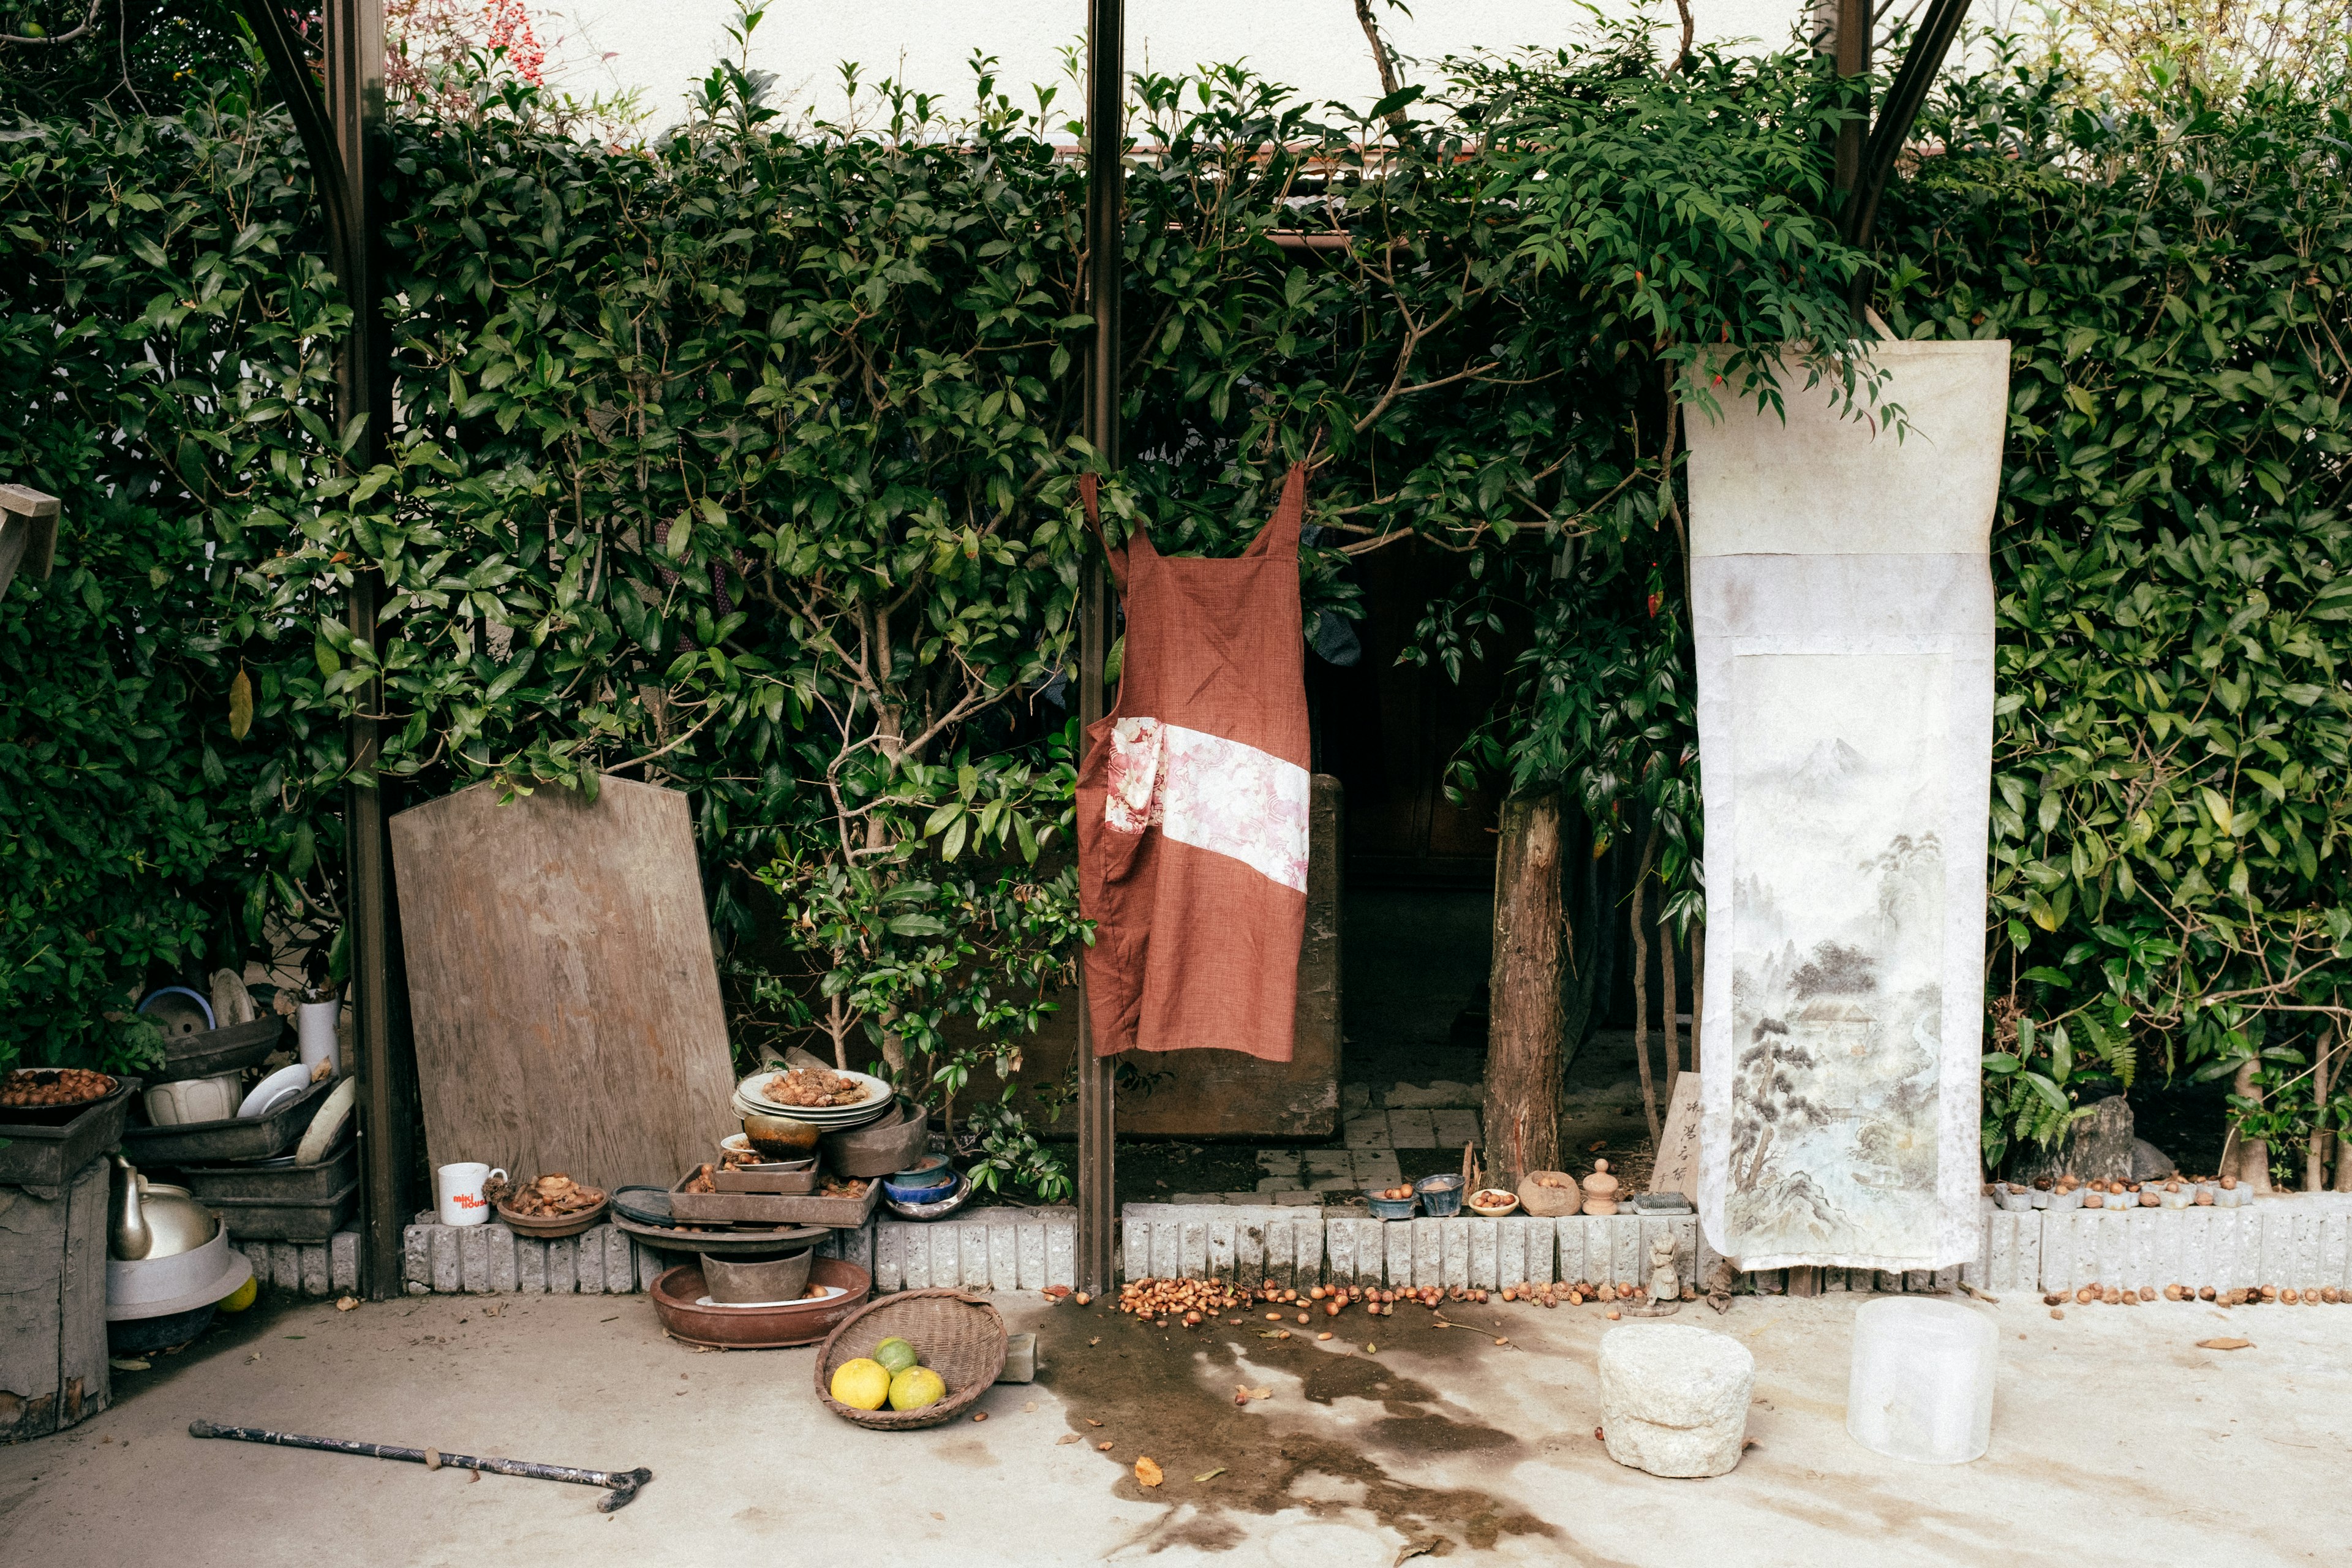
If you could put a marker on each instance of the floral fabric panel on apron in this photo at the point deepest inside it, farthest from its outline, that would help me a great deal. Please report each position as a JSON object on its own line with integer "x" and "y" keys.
{"x": 1193, "y": 802}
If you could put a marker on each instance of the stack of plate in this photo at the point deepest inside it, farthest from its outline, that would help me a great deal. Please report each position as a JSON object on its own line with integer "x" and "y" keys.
{"x": 751, "y": 1101}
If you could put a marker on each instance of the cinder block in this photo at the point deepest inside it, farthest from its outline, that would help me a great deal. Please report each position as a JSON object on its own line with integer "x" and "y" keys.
{"x": 588, "y": 1263}
{"x": 652, "y": 1264}
{"x": 2171, "y": 1264}
{"x": 1569, "y": 1234}
{"x": 531, "y": 1266}
{"x": 2306, "y": 1249}
{"x": 915, "y": 1261}
{"x": 448, "y": 1272}
{"x": 314, "y": 1269}
{"x": 343, "y": 1261}
{"x": 1541, "y": 1239}
{"x": 1193, "y": 1246}
{"x": 1339, "y": 1247}
{"x": 1028, "y": 1254}
{"x": 2113, "y": 1233}
{"x": 1371, "y": 1249}
{"x": 415, "y": 1254}
{"x": 1428, "y": 1251}
{"x": 564, "y": 1266}
{"x": 1221, "y": 1248}
{"x": 1453, "y": 1252}
{"x": 946, "y": 1257}
{"x": 1167, "y": 1248}
{"x": 2335, "y": 1242}
{"x": 1686, "y": 1232}
{"x": 1886, "y": 1282}
{"x": 1944, "y": 1280}
{"x": 474, "y": 1255}
{"x": 1280, "y": 1262}
{"x": 1307, "y": 1243}
{"x": 2001, "y": 1250}
{"x": 2277, "y": 1243}
{"x": 1626, "y": 1264}
{"x": 2027, "y": 1272}
{"x": 1511, "y": 1252}
{"x": 1135, "y": 1247}
{"x": 620, "y": 1268}
{"x": 1485, "y": 1255}
{"x": 1396, "y": 1252}
{"x": 976, "y": 1258}
{"x": 889, "y": 1257}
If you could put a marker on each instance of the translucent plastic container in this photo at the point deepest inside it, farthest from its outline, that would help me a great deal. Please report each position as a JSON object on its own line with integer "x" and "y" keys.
{"x": 1921, "y": 1385}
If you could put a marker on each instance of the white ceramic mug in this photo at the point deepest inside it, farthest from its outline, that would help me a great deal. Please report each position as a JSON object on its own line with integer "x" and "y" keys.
{"x": 317, "y": 1026}
{"x": 458, "y": 1191}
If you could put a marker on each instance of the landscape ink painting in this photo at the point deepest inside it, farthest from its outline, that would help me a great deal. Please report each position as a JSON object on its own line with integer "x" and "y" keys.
{"x": 1837, "y": 952}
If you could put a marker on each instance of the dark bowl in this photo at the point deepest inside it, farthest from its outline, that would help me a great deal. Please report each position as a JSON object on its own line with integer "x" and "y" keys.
{"x": 52, "y": 1115}
{"x": 138, "y": 1334}
{"x": 778, "y": 1138}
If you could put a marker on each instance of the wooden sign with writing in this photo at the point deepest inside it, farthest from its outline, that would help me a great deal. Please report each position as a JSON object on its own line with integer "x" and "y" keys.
{"x": 1677, "y": 1167}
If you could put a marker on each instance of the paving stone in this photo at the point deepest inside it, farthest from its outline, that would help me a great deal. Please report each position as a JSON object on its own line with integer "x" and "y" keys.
{"x": 1330, "y": 1161}
{"x": 1355, "y": 1097}
{"x": 1441, "y": 1094}
{"x": 1279, "y": 1162}
{"x": 1375, "y": 1166}
{"x": 1454, "y": 1127}
{"x": 1301, "y": 1199}
{"x": 1196, "y": 1197}
{"x": 343, "y": 1262}
{"x": 1410, "y": 1129}
{"x": 1333, "y": 1184}
{"x": 1369, "y": 1131}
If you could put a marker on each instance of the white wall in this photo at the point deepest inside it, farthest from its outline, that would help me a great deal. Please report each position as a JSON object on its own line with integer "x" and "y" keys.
{"x": 1316, "y": 46}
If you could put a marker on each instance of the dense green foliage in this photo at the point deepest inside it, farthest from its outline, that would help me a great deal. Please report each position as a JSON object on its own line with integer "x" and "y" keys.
{"x": 745, "y": 461}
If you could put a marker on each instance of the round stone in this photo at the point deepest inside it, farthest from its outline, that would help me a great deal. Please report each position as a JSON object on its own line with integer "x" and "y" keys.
{"x": 1674, "y": 1398}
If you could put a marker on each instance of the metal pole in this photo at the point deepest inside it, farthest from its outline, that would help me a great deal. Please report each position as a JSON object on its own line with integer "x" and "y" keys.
{"x": 1854, "y": 23}
{"x": 1106, "y": 231}
{"x": 354, "y": 81}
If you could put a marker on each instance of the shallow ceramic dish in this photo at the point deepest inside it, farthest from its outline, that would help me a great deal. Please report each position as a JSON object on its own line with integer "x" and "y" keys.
{"x": 281, "y": 1087}
{"x": 938, "y": 1209}
{"x": 677, "y": 1293}
{"x": 553, "y": 1228}
{"x": 830, "y": 1292}
{"x": 192, "y": 1099}
{"x": 1492, "y": 1209}
{"x": 1389, "y": 1209}
{"x": 876, "y": 1101}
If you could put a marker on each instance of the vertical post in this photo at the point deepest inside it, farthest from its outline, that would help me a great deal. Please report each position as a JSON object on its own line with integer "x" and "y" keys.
{"x": 1106, "y": 233}
{"x": 1853, "y": 53}
{"x": 1525, "y": 981}
{"x": 353, "y": 71}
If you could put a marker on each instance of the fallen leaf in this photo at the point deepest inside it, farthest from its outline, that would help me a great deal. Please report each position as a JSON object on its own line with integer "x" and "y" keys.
{"x": 2225, "y": 1343}
{"x": 937, "y": 1514}
{"x": 1102, "y": 1448}
{"x": 1597, "y": 1145}
{"x": 1243, "y": 1394}
{"x": 350, "y": 1303}
{"x": 1210, "y": 1475}
{"x": 1371, "y": 1349}
{"x": 1147, "y": 1473}
{"x": 980, "y": 1415}
{"x": 1067, "y": 1438}
{"x": 1092, "y": 1421}
{"x": 240, "y": 705}
{"x": 127, "y": 1363}
{"x": 1028, "y": 1407}
{"x": 1423, "y": 1546}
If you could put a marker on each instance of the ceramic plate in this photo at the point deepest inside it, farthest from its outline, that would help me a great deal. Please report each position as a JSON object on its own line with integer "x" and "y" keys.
{"x": 878, "y": 1099}
{"x": 328, "y": 1123}
{"x": 829, "y": 1292}
{"x": 286, "y": 1084}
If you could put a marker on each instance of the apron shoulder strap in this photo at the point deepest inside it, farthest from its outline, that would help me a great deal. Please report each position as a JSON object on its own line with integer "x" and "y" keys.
{"x": 1280, "y": 534}
{"x": 1089, "y": 485}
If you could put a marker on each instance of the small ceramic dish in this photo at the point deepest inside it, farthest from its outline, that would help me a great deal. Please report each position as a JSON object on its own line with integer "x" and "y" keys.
{"x": 927, "y": 1186}
{"x": 1494, "y": 1203}
{"x": 1384, "y": 1207}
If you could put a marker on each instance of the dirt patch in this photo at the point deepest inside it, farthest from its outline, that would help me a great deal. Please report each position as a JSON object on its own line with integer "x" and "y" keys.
{"x": 1169, "y": 1393}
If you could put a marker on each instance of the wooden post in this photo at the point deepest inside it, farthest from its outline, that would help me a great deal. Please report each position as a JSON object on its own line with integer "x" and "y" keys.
{"x": 1642, "y": 983}
{"x": 1106, "y": 242}
{"x": 28, "y": 533}
{"x": 1851, "y": 46}
{"x": 1530, "y": 968}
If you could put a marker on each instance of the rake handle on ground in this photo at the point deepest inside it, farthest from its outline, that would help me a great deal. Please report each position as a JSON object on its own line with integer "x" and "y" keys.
{"x": 622, "y": 1484}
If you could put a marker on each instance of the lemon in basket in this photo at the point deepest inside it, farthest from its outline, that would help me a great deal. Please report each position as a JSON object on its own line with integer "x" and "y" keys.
{"x": 916, "y": 1388}
{"x": 861, "y": 1384}
{"x": 896, "y": 1354}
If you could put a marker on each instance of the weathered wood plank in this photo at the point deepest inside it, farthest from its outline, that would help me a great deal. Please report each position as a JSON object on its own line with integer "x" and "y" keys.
{"x": 562, "y": 982}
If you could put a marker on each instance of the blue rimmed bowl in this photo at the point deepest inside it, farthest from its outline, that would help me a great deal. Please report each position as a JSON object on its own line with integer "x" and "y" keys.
{"x": 1441, "y": 1196}
{"x": 927, "y": 1181}
{"x": 1389, "y": 1209}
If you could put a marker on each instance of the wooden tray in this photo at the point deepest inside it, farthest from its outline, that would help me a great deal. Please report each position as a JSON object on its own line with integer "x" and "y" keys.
{"x": 771, "y": 1208}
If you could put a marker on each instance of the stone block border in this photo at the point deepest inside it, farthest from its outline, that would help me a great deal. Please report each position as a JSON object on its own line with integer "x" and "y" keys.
{"x": 2299, "y": 1240}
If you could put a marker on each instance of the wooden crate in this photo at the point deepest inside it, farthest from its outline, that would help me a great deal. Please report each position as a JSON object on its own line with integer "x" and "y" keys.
{"x": 53, "y": 1367}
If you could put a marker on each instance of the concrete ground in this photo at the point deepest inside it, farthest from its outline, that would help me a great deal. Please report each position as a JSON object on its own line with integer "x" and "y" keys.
{"x": 2116, "y": 1439}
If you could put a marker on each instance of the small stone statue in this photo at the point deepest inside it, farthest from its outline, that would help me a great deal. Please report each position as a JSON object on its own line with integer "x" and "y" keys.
{"x": 1600, "y": 1190}
{"x": 1665, "y": 1289}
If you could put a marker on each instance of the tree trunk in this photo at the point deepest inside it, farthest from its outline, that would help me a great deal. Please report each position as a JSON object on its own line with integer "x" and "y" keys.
{"x": 2315, "y": 1154}
{"x": 2342, "y": 1163}
{"x": 1642, "y": 986}
{"x": 1666, "y": 978}
{"x": 2253, "y": 1166}
{"x": 1525, "y": 1016}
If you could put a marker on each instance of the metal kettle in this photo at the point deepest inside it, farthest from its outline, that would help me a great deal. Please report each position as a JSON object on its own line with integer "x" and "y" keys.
{"x": 153, "y": 1219}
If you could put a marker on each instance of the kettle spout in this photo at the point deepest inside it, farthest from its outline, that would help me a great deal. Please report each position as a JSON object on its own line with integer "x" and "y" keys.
{"x": 128, "y": 1236}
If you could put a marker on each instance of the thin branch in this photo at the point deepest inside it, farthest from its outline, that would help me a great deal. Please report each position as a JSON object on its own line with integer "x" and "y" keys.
{"x": 87, "y": 22}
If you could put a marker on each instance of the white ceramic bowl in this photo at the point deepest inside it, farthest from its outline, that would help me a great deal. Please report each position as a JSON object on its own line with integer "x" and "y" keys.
{"x": 287, "y": 1083}
{"x": 213, "y": 1098}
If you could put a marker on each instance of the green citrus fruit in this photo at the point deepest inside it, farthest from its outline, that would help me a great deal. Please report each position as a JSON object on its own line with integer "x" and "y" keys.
{"x": 896, "y": 1354}
{"x": 916, "y": 1387}
{"x": 861, "y": 1384}
{"x": 241, "y": 1297}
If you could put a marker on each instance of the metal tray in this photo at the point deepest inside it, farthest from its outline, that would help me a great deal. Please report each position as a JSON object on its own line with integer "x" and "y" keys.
{"x": 722, "y": 1241}
{"x": 260, "y": 1219}
{"x": 273, "y": 1183}
{"x": 235, "y": 1138}
{"x": 218, "y": 1050}
{"x": 32, "y": 1155}
{"x": 773, "y": 1208}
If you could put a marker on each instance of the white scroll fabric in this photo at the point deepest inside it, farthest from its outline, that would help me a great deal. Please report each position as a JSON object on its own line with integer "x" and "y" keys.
{"x": 1842, "y": 612}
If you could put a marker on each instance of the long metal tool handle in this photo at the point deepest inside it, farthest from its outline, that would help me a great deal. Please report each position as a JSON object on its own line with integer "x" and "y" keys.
{"x": 622, "y": 1484}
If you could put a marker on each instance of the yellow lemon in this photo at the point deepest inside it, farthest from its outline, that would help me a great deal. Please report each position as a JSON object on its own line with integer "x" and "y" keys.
{"x": 238, "y": 1300}
{"x": 915, "y": 1388}
{"x": 861, "y": 1384}
{"x": 896, "y": 1354}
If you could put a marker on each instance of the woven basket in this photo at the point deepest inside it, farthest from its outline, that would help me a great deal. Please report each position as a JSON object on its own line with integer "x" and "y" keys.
{"x": 957, "y": 1336}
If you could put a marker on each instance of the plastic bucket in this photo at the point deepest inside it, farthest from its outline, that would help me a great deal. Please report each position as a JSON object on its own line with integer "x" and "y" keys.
{"x": 1921, "y": 1383}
